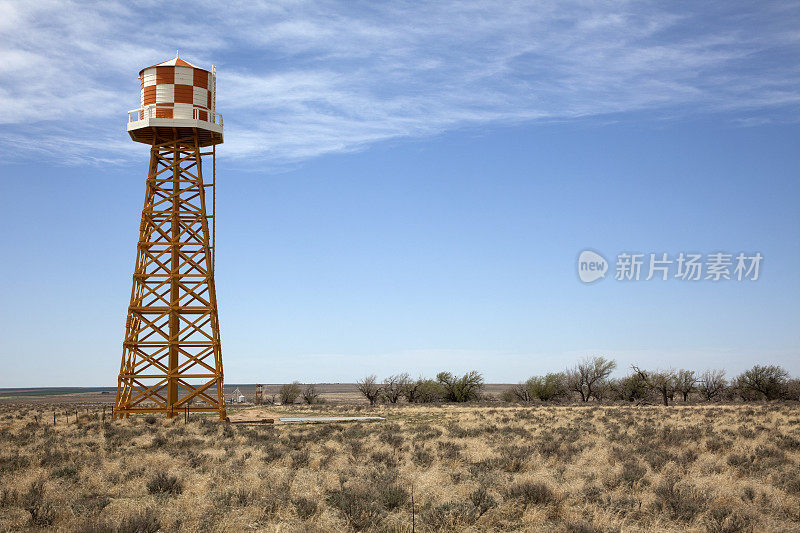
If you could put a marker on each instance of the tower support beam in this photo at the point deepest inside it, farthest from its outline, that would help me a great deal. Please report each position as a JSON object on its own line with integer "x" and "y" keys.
{"x": 172, "y": 355}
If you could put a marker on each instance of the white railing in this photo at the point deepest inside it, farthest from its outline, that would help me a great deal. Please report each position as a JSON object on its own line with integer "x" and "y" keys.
{"x": 134, "y": 115}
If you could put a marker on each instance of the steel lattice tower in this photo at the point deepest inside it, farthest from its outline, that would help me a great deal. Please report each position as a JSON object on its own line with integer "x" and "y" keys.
{"x": 172, "y": 356}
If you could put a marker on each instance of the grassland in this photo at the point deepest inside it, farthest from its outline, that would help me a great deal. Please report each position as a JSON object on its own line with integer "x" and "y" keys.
{"x": 470, "y": 467}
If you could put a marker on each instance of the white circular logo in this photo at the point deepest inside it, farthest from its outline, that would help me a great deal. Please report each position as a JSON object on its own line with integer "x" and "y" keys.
{"x": 591, "y": 266}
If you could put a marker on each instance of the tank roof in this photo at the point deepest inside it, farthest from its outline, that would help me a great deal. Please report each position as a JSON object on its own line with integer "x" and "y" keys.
{"x": 176, "y": 62}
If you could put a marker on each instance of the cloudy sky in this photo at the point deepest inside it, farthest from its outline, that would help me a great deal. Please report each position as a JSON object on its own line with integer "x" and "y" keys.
{"x": 300, "y": 79}
{"x": 407, "y": 184}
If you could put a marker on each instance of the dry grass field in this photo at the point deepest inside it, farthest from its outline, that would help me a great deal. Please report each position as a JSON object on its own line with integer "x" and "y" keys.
{"x": 471, "y": 468}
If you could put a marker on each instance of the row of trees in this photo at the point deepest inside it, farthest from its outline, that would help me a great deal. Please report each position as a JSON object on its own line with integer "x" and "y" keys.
{"x": 446, "y": 387}
{"x": 290, "y": 392}
{"x": 590, "y": 380}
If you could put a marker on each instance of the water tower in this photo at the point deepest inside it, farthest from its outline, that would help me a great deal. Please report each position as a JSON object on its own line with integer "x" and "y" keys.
{"x": 171, "y": 356}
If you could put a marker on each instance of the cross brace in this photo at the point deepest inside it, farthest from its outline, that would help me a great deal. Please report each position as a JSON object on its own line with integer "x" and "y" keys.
{"x": 172, "y": 355}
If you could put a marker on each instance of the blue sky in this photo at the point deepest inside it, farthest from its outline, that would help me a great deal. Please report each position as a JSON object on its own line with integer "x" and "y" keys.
{"x": 406, "y": 187}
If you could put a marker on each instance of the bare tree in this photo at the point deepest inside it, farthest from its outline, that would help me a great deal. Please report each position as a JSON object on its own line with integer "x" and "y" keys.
{"x": 662, "y": 381}
{"x": 310, "y": 394}
{"x": 545, "y": 388}
{"x": 685, "y": 383}
{"x": 712, "y": 383}
{"x": 792, "y": 390}
{"x": 369, "y": 388}
{"x": 411, "y": 389}
{"x": 602, "y": 389}
{"x": 394, "y": 387}
{"x": 463, "y": 389}
{"x": 518, "y": 393}
{"x": 631, "y": 388}
{"x": 575, "y": 383}
{"x": 289, "y": 393}
{"x": 587, "y": 376}
{"x": 765, "y": 381}
{"x": 428, "y": 391}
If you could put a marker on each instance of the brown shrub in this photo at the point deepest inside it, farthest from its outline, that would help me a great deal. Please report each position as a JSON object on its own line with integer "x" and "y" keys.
{"x": 162, "y": 483}
{"x": 531, "y": 493}
{"x": 42, "y": 511}
{"x": 679, "y": 500}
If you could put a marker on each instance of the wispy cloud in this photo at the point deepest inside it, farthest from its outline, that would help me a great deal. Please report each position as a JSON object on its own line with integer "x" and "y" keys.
{"x": 300, "y": 79}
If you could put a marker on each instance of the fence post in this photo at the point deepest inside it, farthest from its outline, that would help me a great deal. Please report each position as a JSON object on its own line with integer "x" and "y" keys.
{"x": 413, "y": 514}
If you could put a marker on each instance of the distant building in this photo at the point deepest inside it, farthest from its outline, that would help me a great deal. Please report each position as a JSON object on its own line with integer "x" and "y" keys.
{"x": 237, "y": 397}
